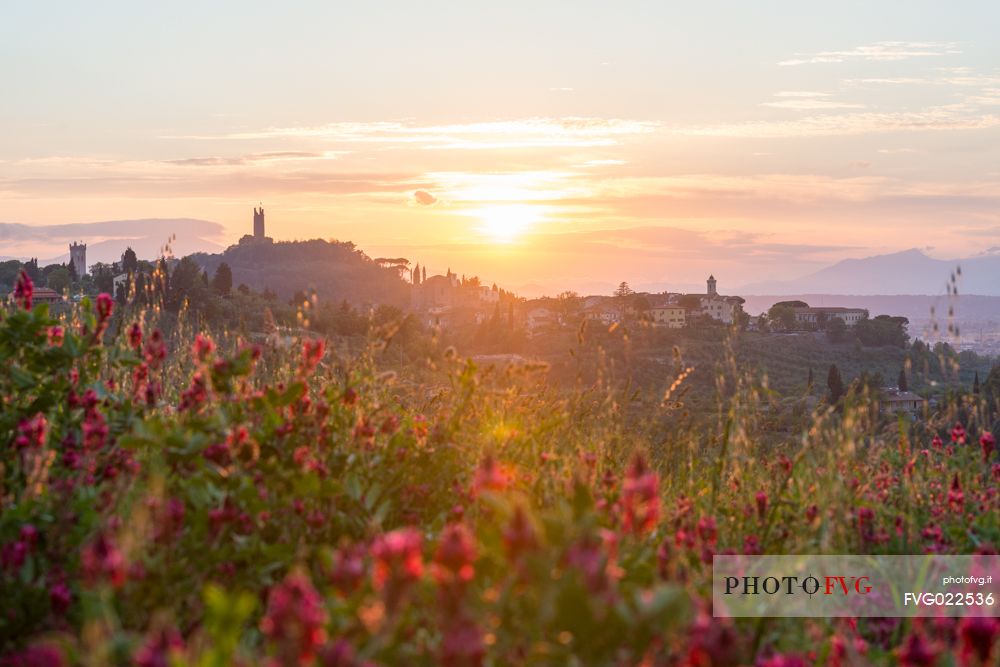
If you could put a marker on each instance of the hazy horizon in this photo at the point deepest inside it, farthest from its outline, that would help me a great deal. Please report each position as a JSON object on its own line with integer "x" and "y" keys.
{"x": 525, "y": 144}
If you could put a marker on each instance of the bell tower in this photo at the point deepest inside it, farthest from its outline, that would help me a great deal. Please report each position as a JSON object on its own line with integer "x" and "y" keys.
{"x": 711, "y": 286}
{"x": 78, "y": 255}
{"x": 258, "y": 223}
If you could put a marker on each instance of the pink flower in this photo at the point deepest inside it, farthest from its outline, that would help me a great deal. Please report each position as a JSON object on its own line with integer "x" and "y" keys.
{"x": 159, "y": 648}
{"x": 348, "y": 568}
{"x": 640, "y": 497}
{"x": 519, "y": 536}
{"x": 294, "y": 619}
{"x": 937, "y": 442}
{"x": 24, "y": 290}
{"x": 31, "y": 432}
{"x": 56, "y": 334}
{"x": 978, "y": 637}
{"x": 398, "y": 563}
{"x": 761, "y": 499}
{"x": 988, "y": 443}
{"x": 196, "y": 394}
{"x": 101, "y": 560}
{"x": 135, "y": 336}
{"x": 462, "y": 644}
{"x": 707, "y": 530}
{"x": 490, "y": 476}
{"x": 39, "y": 655}
{"x": 312, "y": 354}
{"x": 956, "y": 499}
{"x": 916, "y": 652}
{"x": 156, "y": 349}
{"x": 455, "y": 555}
{"x": 203, "y": 348}
{"x": 60, "y": 597}
{"x": 958, "y": 434}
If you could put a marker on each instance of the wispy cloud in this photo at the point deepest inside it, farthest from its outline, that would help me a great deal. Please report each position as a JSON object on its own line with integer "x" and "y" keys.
{"x": 879, "y": 51}
{"x": 949, "y": 117}
{"x": 525, "y": 133}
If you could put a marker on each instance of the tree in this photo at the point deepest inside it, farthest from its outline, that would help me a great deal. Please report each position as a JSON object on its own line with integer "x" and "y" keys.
{"x": 222, "y": 281}
{"x": 883, "y": 330}
{"x": 71, "y": 267}
{"x": 975, "y": 384}
{"x": 834, "y": 384}
{"x": 836, "y": 330}
{"x": 623, "y": 290}
{"x": 130, "y": 263}
{"x": 782, "y": 315}
{"x": 59, "y": 278}
{"x": 901, "y": 383}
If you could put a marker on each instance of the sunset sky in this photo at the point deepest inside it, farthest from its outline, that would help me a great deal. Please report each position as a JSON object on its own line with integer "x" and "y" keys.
{"x": 541, "y": 145}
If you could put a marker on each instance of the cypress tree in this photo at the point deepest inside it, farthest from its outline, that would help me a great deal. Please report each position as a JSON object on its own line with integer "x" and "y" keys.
{"x": 835, "y": 384}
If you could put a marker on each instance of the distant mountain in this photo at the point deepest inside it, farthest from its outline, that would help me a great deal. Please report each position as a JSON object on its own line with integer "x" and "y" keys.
{"x": 338, "y": 271}
{"x": 907, "y": 272}
{"x": 106, "y": 241}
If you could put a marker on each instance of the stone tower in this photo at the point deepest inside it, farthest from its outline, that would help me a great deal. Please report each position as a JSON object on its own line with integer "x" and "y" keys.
{"x": 711, "y": 286}
{"x": 78, "y": 255}
{"x": 258, "y": 223}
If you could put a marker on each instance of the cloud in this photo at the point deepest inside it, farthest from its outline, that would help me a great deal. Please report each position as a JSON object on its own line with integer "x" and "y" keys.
{"x": 254, "y": 158}
{"x": 950, "y": 117}
{"x": 810, "y": 104}
{"x": 561, "y": 132}
{"x": 424, "y": 198}
{"x": 879, "y": 51}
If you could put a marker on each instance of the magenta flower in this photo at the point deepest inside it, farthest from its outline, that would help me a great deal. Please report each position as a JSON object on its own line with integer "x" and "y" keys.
{"x": 24, "y": 289}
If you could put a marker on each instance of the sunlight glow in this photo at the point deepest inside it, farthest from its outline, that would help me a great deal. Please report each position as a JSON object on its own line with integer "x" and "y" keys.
{"x": 504, "y": 223}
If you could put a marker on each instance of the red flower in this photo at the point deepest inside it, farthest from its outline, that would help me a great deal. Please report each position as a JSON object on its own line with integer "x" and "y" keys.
{"x": 160, "y": 646}
{"x": 196, "y": 394}
{"x": 348, "y": 568}
{"x": 490, "y": 476}
{"x": 24, "y": 290}
{"x": 640, "y": 497}
{"x": 56, "y": 334}
{"x": 955, "y": 496}
{"x": 101, "y": 560}
{"x": 988, "y": 443}
{"x": 958, "y": 434}
{"x": 60, "y": 597}
{"x": 203, "y": 348}
{"x": 937, "y": 442}
{"x": 916, "y": 652}
{"x": 455, "y": 555}
{"x": 135, "y": 336}
{"x": 398, "y": 562}
{"x": 978, "y": 636}
{"x": 519, "y": 536}
{"x": 462, "y": 644}
{"x": 156, "y": 349}
{"x": 707, "y": 530}
{"x": 294, "y": 619}
{"x": 761, "y": 499}
{"x": 31, "y": 432}
{"x": 312, "y": 354}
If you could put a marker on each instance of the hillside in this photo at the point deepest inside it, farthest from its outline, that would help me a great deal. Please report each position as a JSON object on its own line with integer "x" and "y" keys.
{"x": 907, "y": 272}
{"x": 336, "y": 270}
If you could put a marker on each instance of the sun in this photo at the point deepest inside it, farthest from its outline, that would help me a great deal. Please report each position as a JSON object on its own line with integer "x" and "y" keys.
{"x": 504, "y": 223}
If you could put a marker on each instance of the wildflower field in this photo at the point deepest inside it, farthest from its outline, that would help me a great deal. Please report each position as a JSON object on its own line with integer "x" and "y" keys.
{"x": 184, "y": 498}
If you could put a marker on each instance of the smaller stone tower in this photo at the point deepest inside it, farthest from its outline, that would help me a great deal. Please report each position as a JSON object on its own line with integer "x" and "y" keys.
{"x": 78, "y": 255}
{"x": 711, "y": 286}
{"x": 258, "y": 223}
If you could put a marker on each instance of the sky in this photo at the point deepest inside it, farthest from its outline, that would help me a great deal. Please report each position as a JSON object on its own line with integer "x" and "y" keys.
{"x": 540, "y": 145}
